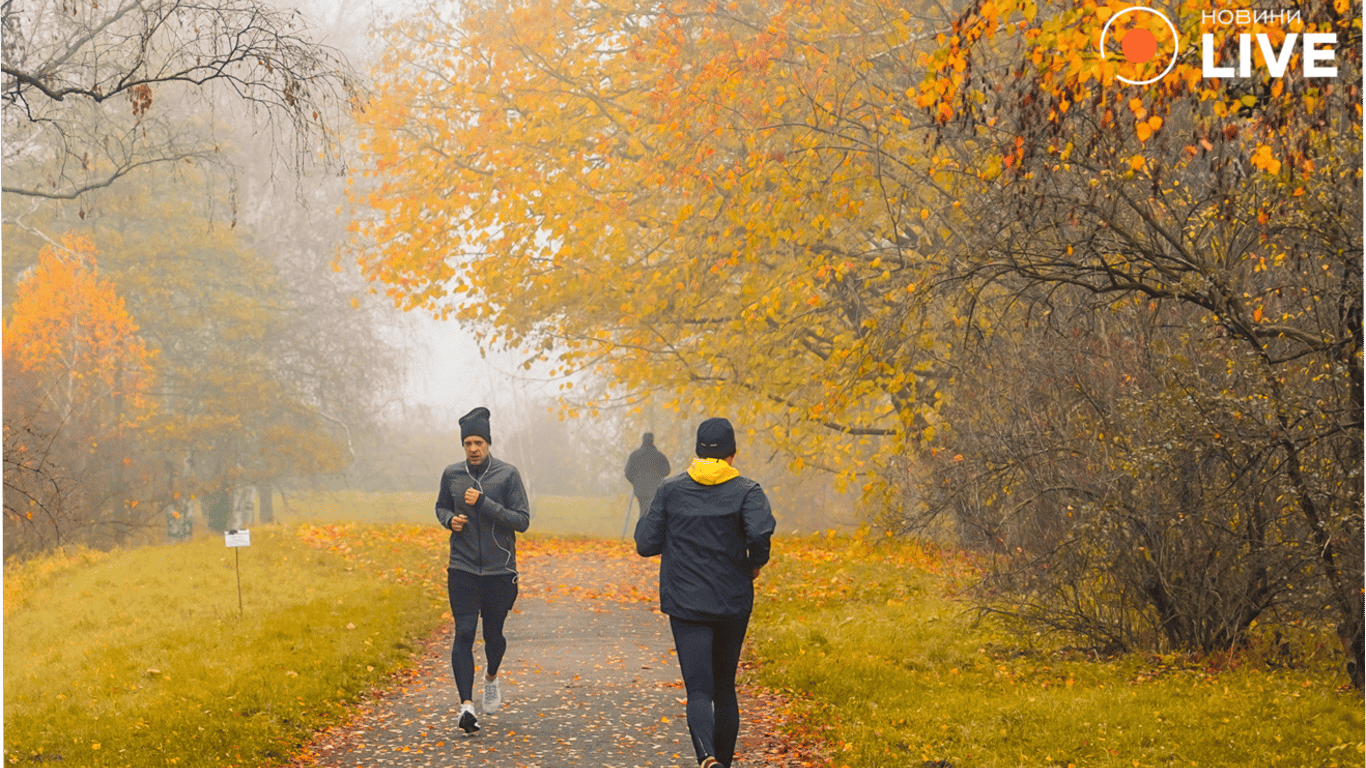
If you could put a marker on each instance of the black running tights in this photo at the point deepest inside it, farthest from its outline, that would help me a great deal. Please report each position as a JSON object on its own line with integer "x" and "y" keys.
{"x": 708, "y": 654}
{"x": 474, "y": 597}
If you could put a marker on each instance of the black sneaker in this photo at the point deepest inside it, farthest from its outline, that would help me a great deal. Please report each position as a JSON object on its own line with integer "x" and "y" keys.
{"x": 468, "y": 722}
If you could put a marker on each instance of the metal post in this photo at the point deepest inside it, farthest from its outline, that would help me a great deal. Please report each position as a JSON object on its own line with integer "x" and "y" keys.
{"x": 238, "y": 552}
{"x": 630, "y": 498}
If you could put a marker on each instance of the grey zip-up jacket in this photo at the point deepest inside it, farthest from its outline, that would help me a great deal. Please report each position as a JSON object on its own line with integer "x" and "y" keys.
{"x": 488, "y": 543}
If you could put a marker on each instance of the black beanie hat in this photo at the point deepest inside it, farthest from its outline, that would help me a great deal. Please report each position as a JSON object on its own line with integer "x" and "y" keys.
{"x": 715, "y": 439}
{"x": 476, "y": 422}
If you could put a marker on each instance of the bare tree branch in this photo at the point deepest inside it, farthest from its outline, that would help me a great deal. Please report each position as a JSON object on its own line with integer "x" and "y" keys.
{"x": 65, "y": 72}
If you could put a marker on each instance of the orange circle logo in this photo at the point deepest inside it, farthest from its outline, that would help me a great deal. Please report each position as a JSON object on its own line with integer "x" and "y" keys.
{"x": 1139, "y": 46}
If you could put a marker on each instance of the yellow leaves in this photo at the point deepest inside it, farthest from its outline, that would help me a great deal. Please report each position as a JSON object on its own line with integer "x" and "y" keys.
{"x": 1265, "y": 160}
{"x": 70, "y": 326}
{"x": 1146, "y": 128}
{"x": 705, "y": 225}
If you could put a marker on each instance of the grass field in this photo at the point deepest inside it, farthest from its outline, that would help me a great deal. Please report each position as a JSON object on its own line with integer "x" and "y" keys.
{"x": 143, "y": 658}
{"x": 597, "y": 516}
{"x": 870, "y": 634}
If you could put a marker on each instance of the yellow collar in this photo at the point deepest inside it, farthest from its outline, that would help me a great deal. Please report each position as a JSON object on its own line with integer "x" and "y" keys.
{"x": 712, "y": 471}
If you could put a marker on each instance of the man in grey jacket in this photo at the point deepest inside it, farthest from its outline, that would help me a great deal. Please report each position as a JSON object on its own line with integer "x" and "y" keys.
{"x": 484, "y": 504}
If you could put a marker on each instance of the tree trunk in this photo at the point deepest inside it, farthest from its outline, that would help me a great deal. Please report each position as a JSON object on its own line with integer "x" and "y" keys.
{"x": 267, "y": 504}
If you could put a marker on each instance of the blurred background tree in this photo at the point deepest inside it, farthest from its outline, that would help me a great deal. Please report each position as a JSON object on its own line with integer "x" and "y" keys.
{"x": 137, "y": 126}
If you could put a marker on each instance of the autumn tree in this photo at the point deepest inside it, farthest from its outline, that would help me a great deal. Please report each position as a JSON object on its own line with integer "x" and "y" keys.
{"x": 1228, "y": 207}
{"x": 341, "y": 350}
{"x": 253, "y": 381}
{"x": 825, "y": 219}
{"x": 261, "y": 377}
{"x": 266, "y": 370}
{"x": 78, "y": 384}
{"x": 688, "y": 202}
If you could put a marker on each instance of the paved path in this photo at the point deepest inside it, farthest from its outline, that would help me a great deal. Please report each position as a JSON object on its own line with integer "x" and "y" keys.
{"x": 589, "y": 679}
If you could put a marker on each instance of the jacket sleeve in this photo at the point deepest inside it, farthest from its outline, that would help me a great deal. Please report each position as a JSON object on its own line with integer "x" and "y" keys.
{"x": 445, "y": 505}
{"x": 650, "y": 527}
{"x": 514, "y": 511}
{"x": 759, "y": 526}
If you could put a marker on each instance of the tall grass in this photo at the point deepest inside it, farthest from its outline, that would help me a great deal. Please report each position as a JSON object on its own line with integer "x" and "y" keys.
{"x": 895, "y": 672}
{"x": 143, "y": 658}
{"x": 24, "y": 578}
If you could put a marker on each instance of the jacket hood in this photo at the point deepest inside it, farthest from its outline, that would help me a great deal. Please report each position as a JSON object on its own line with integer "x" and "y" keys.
{"x": 712, "y": 471}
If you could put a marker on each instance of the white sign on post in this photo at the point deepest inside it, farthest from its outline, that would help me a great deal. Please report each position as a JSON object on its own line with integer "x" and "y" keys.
{"x": 240, "y": 538}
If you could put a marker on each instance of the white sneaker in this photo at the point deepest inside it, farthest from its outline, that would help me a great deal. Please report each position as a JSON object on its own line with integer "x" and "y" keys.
{"x": 493, "y": 695}
{"x": 468, "y": 722}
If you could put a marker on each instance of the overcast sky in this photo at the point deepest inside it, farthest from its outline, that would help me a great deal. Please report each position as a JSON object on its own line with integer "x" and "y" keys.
{"x": 445, "y": 371}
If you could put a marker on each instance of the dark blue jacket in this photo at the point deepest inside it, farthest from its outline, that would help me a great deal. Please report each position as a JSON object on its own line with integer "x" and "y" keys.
{"x": 712, "y": 537}
{"x": 488, "y": 543}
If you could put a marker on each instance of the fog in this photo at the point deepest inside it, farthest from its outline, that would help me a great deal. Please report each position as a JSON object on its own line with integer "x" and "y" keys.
{"x": 225, "y": 249}
{"x": 240, "y": 362}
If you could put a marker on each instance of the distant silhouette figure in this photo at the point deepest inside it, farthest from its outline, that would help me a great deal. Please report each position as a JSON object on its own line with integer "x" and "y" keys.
{"x": 646, "y": 469}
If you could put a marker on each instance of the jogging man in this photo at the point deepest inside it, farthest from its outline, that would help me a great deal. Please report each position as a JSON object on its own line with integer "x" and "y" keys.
{"x": 484, "y": 504}
{"x": 712, "y": 527}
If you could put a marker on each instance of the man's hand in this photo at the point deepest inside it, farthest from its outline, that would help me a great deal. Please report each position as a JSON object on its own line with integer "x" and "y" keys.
{"x": 472, "y": 496}
{"x": 458, "y": 523}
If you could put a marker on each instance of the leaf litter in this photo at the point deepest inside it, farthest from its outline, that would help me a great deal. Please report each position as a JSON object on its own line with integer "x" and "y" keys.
{"x": 589, "y": 678}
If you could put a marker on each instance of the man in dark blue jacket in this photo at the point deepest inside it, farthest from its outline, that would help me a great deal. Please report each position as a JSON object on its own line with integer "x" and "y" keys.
{"x": 712, "y": 528}
{"x": 484, "y": 504}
